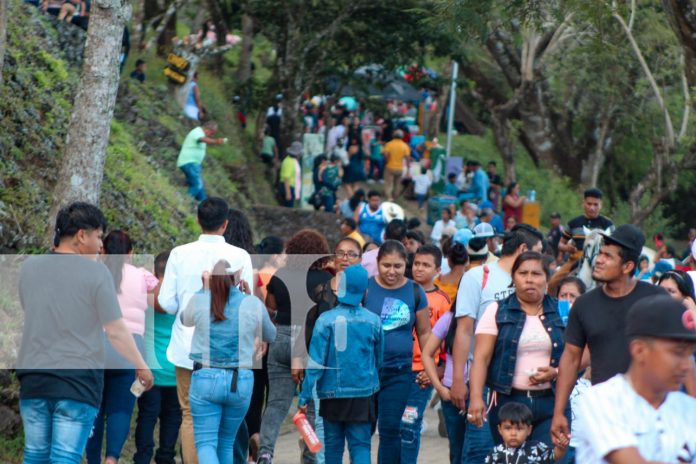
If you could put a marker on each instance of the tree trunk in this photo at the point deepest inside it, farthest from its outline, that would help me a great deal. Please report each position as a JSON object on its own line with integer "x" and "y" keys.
{"x": 503, "y": 140}
{"x": 244, "y": 68}
{"x": 467, "y": 117}
{"x": 138, "y": 33}
{"x": 82, "y": 167}
{"x": 3, "y": 34}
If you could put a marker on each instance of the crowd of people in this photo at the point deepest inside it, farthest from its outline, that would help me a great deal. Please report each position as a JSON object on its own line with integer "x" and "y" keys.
{"x": 528, "y": 365}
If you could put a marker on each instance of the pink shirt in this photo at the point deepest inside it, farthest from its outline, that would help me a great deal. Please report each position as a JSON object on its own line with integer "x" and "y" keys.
{"x": 533, "y": 349}
{"x": 369, "y": 262}
{"x": 132, "y": 298}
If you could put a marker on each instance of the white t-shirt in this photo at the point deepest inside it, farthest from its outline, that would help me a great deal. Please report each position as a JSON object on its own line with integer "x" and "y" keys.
{"x": 440, "y": 226}
{"x": 581, "y": 387}
{"x": 473, "y": 297}
{"x": 612, "y": 416}
{"x": 421, "y": 184}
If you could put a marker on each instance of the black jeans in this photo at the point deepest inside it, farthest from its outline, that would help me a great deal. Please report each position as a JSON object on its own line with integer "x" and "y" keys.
{"x": 162, "y": 403}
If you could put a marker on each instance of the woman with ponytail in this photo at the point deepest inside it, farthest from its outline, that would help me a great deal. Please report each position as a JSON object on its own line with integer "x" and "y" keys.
{"x": 229, "y": 324}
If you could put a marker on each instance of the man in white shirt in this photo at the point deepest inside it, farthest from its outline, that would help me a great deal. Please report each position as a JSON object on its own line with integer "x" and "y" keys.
{"x": 182, "y": 279}
{"x": 641, "y": 416}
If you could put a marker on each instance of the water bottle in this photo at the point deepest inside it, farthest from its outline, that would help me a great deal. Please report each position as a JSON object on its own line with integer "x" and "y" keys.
{"x": 307, "y": 432}
{"x": 532, "y": 196}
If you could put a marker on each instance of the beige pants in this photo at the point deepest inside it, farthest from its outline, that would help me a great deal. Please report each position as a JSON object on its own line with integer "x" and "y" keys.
{"x": 188, "y": 442}
{"x": 392, "y": 183}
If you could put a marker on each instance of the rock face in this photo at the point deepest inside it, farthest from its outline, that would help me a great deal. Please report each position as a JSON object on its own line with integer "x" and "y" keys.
{"x": 284, "y": 222}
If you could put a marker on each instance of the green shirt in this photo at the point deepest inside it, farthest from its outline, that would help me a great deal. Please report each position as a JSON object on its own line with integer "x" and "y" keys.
{"x": 268, "y": 145}
{"x": 287, "y": 170}
{"x": 157, "y": 336}
{"x": 192, "y": 150}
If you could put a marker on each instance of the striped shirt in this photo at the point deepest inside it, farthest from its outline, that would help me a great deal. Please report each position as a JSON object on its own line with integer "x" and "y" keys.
{"x": 613, "y": 416}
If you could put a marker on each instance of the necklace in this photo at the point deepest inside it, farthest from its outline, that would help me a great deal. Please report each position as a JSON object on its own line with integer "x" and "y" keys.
{"x": 538, "y": 310}
{"x": 515, "y": 452}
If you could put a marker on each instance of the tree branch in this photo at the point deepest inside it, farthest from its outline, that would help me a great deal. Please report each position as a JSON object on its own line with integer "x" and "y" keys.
{"x": 173, "y": 7}
{"x": 687, "y": 103}
{"x": 669, "y": 128}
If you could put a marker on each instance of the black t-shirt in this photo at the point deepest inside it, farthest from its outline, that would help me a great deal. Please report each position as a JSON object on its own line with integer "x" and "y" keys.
{"x": 67, "y": 299}
{"x": 576, "y": 227}
{"x": 599, "y": 321}
{"x": 349, "y": 409}
{"x": 554, "y": 237}
{"x": 278, "y": 287}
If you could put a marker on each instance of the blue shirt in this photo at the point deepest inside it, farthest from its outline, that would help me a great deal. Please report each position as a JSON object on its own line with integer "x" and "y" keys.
{"x": 397, "y": 310}
{"x": 372, "y": 223}
{"x": 230, "y": 342}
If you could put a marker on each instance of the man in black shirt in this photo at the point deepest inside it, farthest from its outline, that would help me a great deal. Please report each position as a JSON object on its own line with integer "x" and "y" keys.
{"x": 69, "y": 302}
{"x": 555, "y": 233}
{"x": 598, "y": 318}
{"x": 591, "y": 219}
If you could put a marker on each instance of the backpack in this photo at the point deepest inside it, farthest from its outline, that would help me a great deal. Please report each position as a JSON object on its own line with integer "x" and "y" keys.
{"x": 330, "y": 178}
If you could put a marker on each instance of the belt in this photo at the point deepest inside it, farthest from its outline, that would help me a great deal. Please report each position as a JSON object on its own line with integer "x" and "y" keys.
{"x": 532, "y": 393}
{"x": 235, "y": 373}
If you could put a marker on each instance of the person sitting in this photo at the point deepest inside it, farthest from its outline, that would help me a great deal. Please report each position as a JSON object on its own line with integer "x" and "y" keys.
{"x": 139, "y": 71}
{"x": 451, "y": 185}
{"x": 478, "y": 189}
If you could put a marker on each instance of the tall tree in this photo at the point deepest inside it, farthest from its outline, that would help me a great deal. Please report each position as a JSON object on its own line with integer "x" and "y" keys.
{"x": 3, "y": 33}
{"x": 82, "y": 166}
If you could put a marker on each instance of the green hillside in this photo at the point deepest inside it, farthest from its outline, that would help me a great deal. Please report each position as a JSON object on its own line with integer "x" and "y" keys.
{"x": 142, "y": 192}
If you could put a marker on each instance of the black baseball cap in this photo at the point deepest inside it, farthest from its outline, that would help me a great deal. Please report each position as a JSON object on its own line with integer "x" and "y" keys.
{"x": 626, "y": 236}
{"x": 556, "y": 215}
{"x": 660, "y": 316}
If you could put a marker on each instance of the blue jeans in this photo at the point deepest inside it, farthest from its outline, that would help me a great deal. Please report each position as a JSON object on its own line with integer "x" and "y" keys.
{"x": 358, "y": 435}
{"x": 218, "y": 412}
{"x": 55, "y": 431}
{"x": 329, "y": 202}
{"x": 281, "y": 192}
{"x": 116, "y": 408}
{"x": 411, "y": 422}
{"x": 194, "y": 180}
{"x": 420, "y": 198}
{"x": 158, "y": 403}
{"x": 456, "y": 428}
{"x": 395, "y": 387}
{"x": 478, "y": 442}
{"x": 542, "y": 413}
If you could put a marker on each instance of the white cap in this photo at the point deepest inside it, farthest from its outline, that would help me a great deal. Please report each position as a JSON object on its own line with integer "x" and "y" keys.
{"x": 484, "y": 230}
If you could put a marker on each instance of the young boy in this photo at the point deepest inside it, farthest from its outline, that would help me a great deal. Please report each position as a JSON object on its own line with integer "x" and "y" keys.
{"x": 426, "y": 266}
{"x": 346, "y": 373}
{"x": 515, "y": 426}
{"x": 421, "y": 185}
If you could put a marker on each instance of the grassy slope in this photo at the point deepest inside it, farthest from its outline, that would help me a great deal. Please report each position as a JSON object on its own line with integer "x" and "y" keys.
{"x": 142, "y": 192}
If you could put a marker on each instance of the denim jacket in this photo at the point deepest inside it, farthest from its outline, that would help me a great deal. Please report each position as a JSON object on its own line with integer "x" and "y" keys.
{"x": 229, "y": 343}
{"x": 345, "y": 354}
{"x": 510, "y": 319}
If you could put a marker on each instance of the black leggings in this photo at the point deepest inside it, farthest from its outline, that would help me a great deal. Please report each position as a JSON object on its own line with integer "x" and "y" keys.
{"x": 259, "y": 396}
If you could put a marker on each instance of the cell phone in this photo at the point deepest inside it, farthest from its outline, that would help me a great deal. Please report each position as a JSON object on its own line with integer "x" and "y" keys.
{"x": 564, "y": 310}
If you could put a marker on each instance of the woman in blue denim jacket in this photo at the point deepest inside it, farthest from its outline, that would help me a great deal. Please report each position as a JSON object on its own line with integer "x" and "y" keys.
{"x": 346, "y": 373}
{"x": 519, "y": 342}
{"x": 229, "y": 325}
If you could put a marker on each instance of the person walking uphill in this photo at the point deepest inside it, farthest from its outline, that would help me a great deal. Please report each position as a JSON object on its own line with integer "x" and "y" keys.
{"x": 69, "y": 301}
{"x": 346, "y": 374}
{"x": 191, "y": 156}
{"x": 290, "y": 175}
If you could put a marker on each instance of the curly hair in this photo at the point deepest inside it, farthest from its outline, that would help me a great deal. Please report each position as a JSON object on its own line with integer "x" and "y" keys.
{"x": 307, "y": 242}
